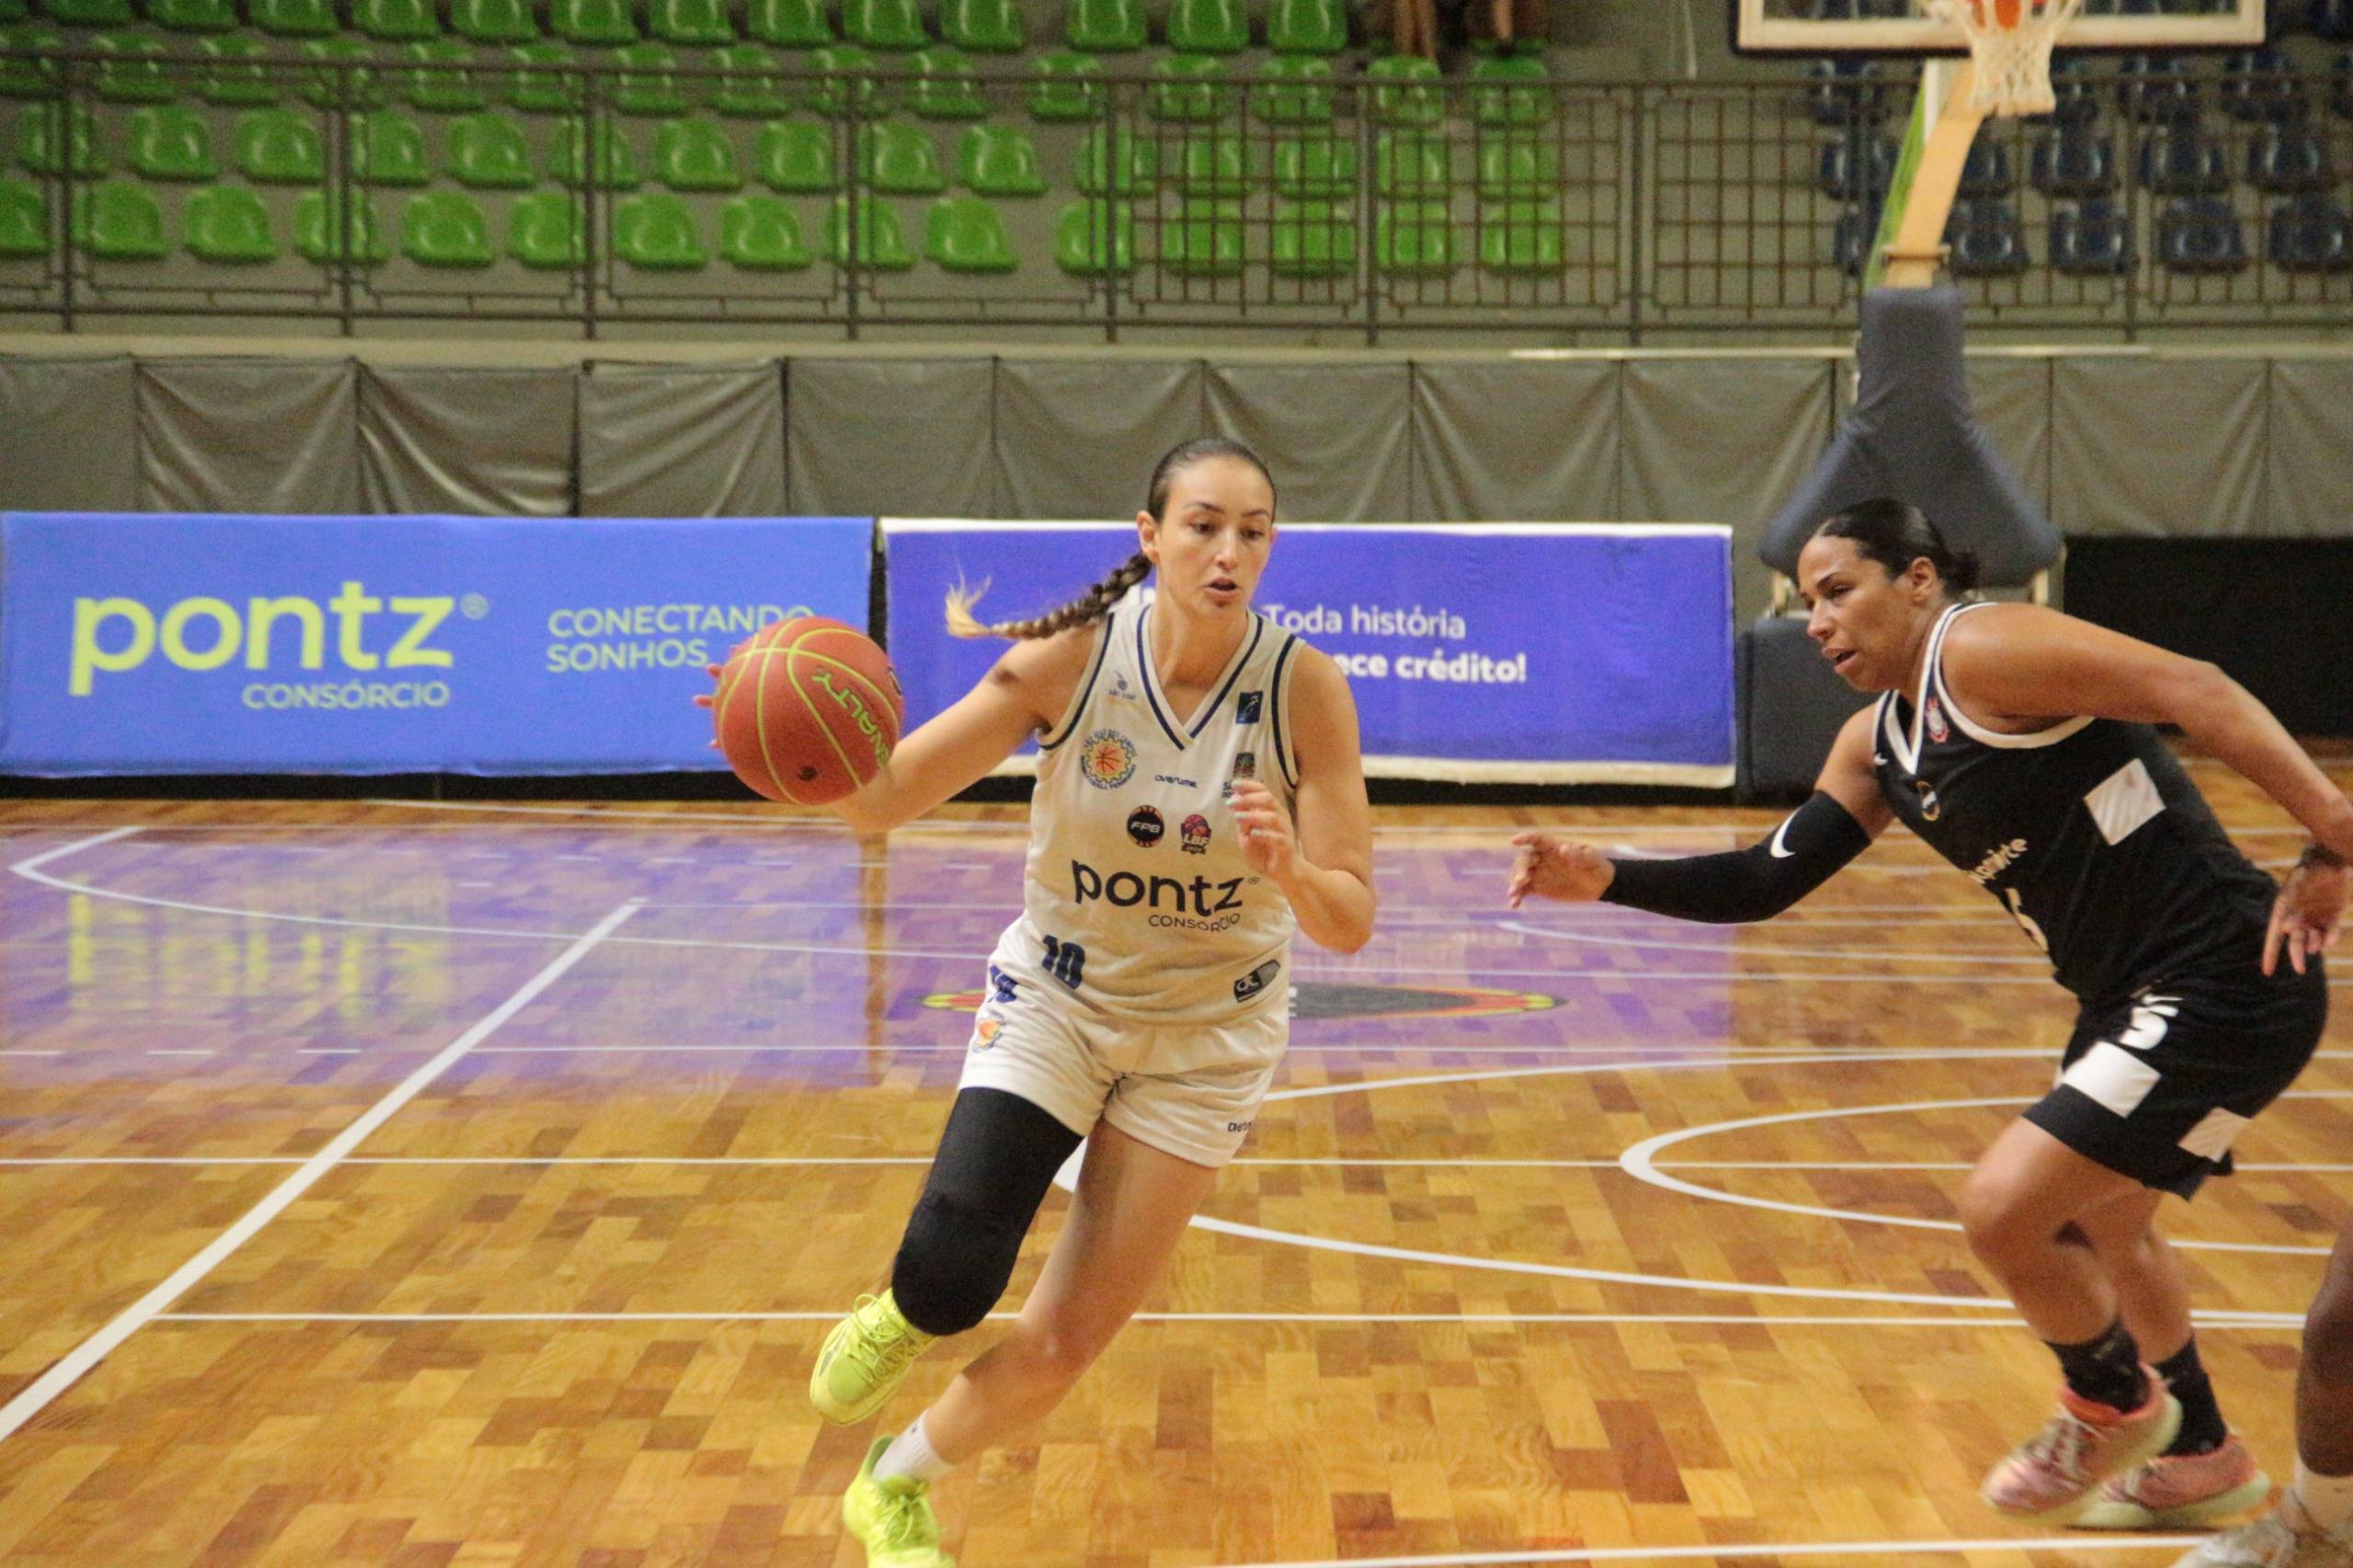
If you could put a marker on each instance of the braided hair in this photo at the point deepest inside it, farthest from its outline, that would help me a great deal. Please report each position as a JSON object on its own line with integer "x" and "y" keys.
{"x": 1097, "y": 601}
{"x": 1895, "y": 534}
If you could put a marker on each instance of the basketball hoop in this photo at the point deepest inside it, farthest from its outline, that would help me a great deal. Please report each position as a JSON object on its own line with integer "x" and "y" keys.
{"x": 2011, "y": 42}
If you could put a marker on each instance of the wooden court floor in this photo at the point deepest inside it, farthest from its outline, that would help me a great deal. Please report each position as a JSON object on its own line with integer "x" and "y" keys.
{"x": 391, "y": 1184}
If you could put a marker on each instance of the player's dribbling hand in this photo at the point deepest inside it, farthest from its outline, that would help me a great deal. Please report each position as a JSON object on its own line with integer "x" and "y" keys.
{"x": 1549, "y": 868}
{"x": 2305, "y": 916}
{"x": 1267, "y": 843}
{"x": 706, "y": 700}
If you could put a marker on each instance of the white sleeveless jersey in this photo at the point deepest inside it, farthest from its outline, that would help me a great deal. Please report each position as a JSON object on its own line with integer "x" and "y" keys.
{"x": 1137, "y": 899}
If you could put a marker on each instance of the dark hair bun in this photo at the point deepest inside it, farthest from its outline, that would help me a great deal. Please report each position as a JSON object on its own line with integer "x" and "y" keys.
{"x": 1963, "y": 571}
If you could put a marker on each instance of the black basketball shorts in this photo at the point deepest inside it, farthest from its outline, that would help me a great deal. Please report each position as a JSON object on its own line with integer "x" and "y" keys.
{"x": 2157, "y": 1087}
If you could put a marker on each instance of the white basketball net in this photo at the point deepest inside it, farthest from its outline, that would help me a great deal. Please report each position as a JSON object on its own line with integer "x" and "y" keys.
{"x": 2013, "y": 63}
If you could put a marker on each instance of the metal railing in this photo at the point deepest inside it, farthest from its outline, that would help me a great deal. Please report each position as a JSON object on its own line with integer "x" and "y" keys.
{"x": 636, "y": 190}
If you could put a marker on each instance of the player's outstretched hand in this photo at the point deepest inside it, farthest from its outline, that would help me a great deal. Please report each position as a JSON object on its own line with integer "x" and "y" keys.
{"x": 2306, "y": 914}
{"x": 1551, "y": 868}
{"x": 705, "y": 699}
{"x": 1268, "y": 842}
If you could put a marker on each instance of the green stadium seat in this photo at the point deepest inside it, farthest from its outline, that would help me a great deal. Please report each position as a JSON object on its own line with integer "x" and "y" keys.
{"x": 14, "y": 11}
{"x": 1298, "y": 91}
{"x": 647, "y": 85}
{"x": 1208, "y": 162}
{"x": 760, "y": 234}
{"x": 998, "y": 160}
{"x": 171, "y": 145}
{"x": 963, "y": 234}
{"x": 543, "y": 80}
{"x": 342, "y": 74}
{"x": 24, "y": 219}
{"x": 690, "y": 24}
{"x": 548, "y": 232}
{"x": 28, "y": 66}
{"x": 1314, "y": 239}
{"x": 1203, "y": 239}
{"x": 893, "y": 25}
{"x": 1521, "y": 167}
{"x": 57, "y": 138}
{"x": 396, "y": 21}
{"x": 947, "y": 89}
{"x": 1209, "y": 27}
{"x": 1311, "y": 166}
{"x": 1115, "y": 162}
{"x": 387, "y": 149}
{"x": 1062, "y": 87}
{"x": 89, "y": 12}
{"x": 130, "y": 74}
{"x": 878, "y": 245}
{"x": 1412, "y": 239}
{"x": 1521, "y": 237}
{"x": 276, "y": 146}
{"x": 120, "y": 222}
{"x": 749, "y": 86}
{"x": 900, "y": 160}
{"x": 1412, "y": 163}
{"x": 657, "y": 234}
{"x": 238, "y": 76}
{"x": 488, "y": 151}
{"x": 789, "y": 24}
{"x": 594, "y": 23}
{"x": 1105, "y": 27}
{"x": 493, "y": 21}
{"x": 985, "y": 26}
{"x": 847, "y": 83}
{"x": 694, "y": 155}
{"x": 293, "y": 19}
{"x": 798, "y": 156}
{"x": 1189, "y": 89}
{"x": 193, "y": 16}
{"x": 1406, "y": 90}
{"x": 615, "y": 163}
{"x": 227, "y": 223}
{"x": 436, "y": 79}
{"x": 1095, "y": 239}
{"x": 1307, "y": 27}
{"x": 442, "y": 228}
{"x": 1510, "y": 89}
{"x": 320, "y": 237}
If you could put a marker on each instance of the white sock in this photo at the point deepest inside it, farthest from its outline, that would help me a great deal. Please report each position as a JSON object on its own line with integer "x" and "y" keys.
{"x": 2327, "y": 1498}
{"x": 911, "y": 1455}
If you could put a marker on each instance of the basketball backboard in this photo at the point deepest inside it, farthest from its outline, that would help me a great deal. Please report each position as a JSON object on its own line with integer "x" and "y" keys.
{"x": 1903, "y": 26}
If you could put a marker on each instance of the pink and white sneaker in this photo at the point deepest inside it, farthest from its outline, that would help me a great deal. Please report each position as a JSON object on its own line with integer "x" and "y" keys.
{"x": 2047, "y": 1478}
{"x": 2175, "y": 1490}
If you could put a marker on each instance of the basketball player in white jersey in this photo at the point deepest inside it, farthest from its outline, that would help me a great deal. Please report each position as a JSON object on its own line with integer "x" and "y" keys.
{"x": 1199, "y": 797}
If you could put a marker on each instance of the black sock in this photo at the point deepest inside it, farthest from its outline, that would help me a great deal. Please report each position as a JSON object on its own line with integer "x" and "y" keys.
{"x": 2202, "y": 1427}
{"x": 2106, "y": 1370}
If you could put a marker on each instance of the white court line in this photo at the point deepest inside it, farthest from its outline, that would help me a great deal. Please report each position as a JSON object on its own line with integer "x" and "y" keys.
{"x": 1776, "y": 1549}
{"x": 31, "y": 1054}
{"x": 2256, "y": 1321}
{"x": 1333, "y": 1162}
{"x": 1319, "y": 1091}
{"x": 62, "y": 1375}
{"x": 1772, "y": 949}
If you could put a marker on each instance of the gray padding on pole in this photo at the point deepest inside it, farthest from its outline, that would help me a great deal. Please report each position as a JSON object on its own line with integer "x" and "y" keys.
{"x": 1913, "y": 436}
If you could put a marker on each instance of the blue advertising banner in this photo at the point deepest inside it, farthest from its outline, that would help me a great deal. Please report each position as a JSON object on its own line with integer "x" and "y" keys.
{"x": 1524, "y": 653}
{"x": 158, "y": 643}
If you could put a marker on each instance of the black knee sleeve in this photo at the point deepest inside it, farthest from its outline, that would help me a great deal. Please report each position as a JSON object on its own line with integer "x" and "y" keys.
{"x": 996, "y": 1160}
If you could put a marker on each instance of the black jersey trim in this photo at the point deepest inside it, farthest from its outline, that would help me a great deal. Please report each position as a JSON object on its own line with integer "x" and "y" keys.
{"x": 1061, "y": 731}
{"x": 1278, "y": 693}
{"x": 1232, "y": 679}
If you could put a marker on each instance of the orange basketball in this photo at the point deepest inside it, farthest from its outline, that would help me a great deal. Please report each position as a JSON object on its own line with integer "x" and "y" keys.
{"x": 808, "y": 710}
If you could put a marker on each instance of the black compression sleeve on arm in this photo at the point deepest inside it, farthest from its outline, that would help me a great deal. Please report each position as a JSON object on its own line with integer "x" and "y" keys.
{"x": 1754, "y": 883}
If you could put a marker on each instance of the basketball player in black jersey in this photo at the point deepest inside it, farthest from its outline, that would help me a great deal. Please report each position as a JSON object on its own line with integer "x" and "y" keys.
{"x": 2016, "y": 741}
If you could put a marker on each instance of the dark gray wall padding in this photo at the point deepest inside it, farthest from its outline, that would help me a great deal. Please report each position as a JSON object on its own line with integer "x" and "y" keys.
{"x": 1334, "y": 434}
{"x": 268, "y": 436}
{"x": 1078, "y": 437}
{"x": 890, "y": 438}
{"x": 1913, "y": 436}
{"x": 1525, "y": 441}
{"x": 2160, "y": 447}
{"x": 479, "y": 442}
{"x": 69, "y": 439}
{"x": 682, "y": 441}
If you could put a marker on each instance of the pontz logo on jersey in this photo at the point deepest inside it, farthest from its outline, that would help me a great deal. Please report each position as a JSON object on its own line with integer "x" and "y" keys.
{"x": 1930, "y": 807}
{"x": 1145, "y": 827}
{"x": 1109, "y": 760}
{"x": 1258, "y": 980}
{"x": 1196, "y": 831}
{"x": 1246, "y": 707}
{"x": 1198, "y": 905}
{"x": 1939, "y": 730}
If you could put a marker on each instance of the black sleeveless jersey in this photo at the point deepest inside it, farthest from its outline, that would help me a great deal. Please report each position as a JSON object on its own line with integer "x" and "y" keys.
{"x": 2089, "y": 833}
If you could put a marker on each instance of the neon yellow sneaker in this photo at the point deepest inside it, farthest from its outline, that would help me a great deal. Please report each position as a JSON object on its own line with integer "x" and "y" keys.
{"x": 860, "y": 1364}
{"x": 892, "y": 1519}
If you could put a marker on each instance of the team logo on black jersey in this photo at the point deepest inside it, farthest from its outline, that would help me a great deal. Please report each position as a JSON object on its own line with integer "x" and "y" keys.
{"x": 1196, "y": 831}
{"x": 1145, "y": 827}
{"x": 1246, "y": 707}
{"x": 1939, "y": 730}
{"x": 1109, "y": 760}
{"x": 1930, "y": 807}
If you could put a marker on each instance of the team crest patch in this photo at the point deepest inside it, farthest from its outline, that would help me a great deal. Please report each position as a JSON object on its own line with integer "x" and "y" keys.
{"x": 1196, "y": 830}
{"x": 1930, "y": 807}
{"x": 1247, "y": 706}
{"x": 1939, "y": 730}
{"x": 1109, "y": 760}
{"x": 1144, "y": 826}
